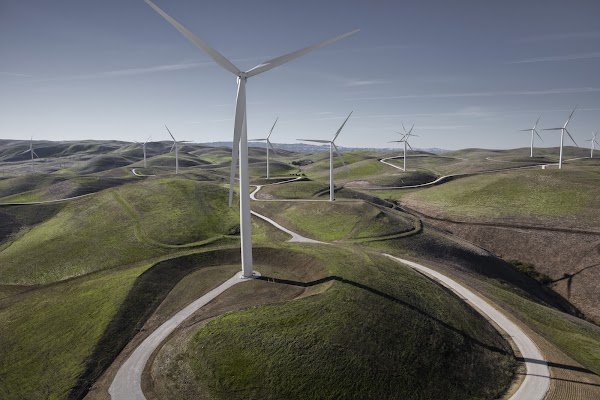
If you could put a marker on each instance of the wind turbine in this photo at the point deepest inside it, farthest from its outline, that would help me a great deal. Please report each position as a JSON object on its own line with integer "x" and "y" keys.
{"x": 562, "y": 137}
{"x": 32, "y": 154}
{"x": 240, "y": 138}
{"x": 267, "y": 145}
{"x": 332, "y": 146}
{"x": 593, "y": 140}
{"x": 405, "y": 141}
{"x": 532, "y": 130}
{"x": 144, "y": 148}
{"x": 176, "y": 147}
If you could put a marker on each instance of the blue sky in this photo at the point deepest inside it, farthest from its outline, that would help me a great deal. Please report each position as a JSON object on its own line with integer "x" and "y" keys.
{"x": 467, "y": 73}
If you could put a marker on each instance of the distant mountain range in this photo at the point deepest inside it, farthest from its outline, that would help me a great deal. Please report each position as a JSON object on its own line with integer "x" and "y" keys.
{"x": 310, "y": 148}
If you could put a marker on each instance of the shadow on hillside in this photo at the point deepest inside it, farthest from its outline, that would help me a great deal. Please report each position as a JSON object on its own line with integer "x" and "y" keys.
{"x": 557, "y": 365}
{"x": 387, "y": 297}
{"x": 147, "y": 293}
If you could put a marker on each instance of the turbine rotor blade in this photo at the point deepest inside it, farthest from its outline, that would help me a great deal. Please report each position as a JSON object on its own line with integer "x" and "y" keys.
{"x": 271, "y": 131}
{"x": 275, "y": 62}
{"x": 552, "y": 129}
{"x": 536, "y": 122}
{"x": 538, "y": 135}
{"x": 35, "y": 154}
{"x": 315, "y": 140}
{"x": 338, "y": 153}
{"x": 341, "y": 127}
{"x": 240, "y": 117}
{"x": 411, "y": 128}
{"x": 571, "y": 138}
{"x": 272, "y": 148}
{"x": 566, "y": 123}
{"x": 409, "y": 146}
{"x": 215, "y": 55}
{"x": 170, "y": 133}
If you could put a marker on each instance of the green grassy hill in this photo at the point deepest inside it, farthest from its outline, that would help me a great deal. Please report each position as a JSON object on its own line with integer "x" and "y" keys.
{"x": 567, "y": 197}
{"x": 342, "y": 220}
{"x": 130, "y": 220}
{"x": 364, "y": 334}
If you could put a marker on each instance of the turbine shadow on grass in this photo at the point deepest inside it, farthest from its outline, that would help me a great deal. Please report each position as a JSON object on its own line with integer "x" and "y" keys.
{"x": 557, "y": 365}
{"x": 387, "y": 297}
{"x": 564, "y": 380}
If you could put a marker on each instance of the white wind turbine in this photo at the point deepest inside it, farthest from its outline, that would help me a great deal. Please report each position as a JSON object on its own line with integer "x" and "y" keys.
{"x": 144, "y": 148}
{"x": 267, "y": 145}
{"x": 332, "y": 146}
{"x": 30, "y": 150}
{"x": 239, "y": 131}
{"x": 593, "y": 141}
{"x": 533, "y": 130}
{"x": 405, "y": 141}
{"x": 562, "y": 137}
{"x": 176, "y": 147}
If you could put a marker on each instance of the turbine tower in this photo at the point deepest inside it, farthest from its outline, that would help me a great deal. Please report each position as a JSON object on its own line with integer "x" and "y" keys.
{"x": 176, "y": 151}
{"x": 267, "y": 145}
{"x": 144, "y": 148}
{"x": 332, "y": 146}
{"x": 593, "y": 141}
{"x": 562, "y": 137}
{"x": 532, "y": 130}
{"x": 405, "y": 141}
{"x": 240, "y": 138}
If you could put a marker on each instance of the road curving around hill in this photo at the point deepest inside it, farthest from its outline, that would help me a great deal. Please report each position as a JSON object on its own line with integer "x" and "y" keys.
{"x": 446, "y": 178}
{"x": 126, "y": 384}
{"x": 537, "y": 379}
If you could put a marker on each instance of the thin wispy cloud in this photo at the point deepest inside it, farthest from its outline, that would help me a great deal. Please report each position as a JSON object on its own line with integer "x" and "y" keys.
{"x": 15, "y": 74}
{"x": 583, "y": 56}
{"x": 483, "y": 94}
{"x": 561, "y": 36}
{"x": 127, "y": 72}
{"x": 365, "y": 82}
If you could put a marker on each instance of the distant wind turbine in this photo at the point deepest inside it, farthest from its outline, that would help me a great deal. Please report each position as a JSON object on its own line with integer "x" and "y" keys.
{"x": 332, "y": 146}
{"x": 532, "y": 130}
{"x": 593, "y": 141}
{"x": 33, "y": 153}
{"x": 176, "y": 147}
{"x": 240, "y": 138}
{"x": 405, "y": 141}
{"x": 144, "y": 148}
{"x": 267, "y": 145}
{"x": 562, "y": 137}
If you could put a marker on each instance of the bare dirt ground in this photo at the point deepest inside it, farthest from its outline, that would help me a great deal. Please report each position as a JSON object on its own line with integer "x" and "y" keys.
{"x": 570, "y": 258}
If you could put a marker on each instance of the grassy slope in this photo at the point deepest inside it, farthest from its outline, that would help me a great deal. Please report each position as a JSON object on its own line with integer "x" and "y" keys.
{"x": 335, "y": 221}
{"x": 545, "y": 193}
{"x": 68, "y": 244}
{"x": 293, "y": 190}
{"x": 350, "y": 341}
{"x": 48, "y": 333}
